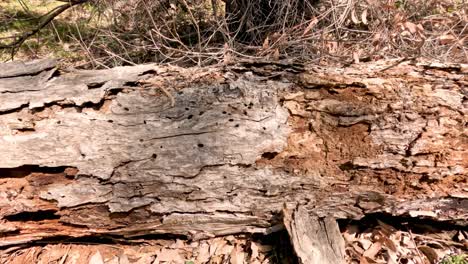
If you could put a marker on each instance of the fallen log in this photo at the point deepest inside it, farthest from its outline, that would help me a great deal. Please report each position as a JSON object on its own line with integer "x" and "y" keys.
{"x": 202, "y": 152}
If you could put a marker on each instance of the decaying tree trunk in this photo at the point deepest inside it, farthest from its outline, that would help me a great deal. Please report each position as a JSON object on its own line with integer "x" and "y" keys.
{"x": 92, "y": 153}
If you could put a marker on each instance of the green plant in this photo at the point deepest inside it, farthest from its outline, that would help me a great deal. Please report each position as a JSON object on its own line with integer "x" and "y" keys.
{"x": 456, "y": 259}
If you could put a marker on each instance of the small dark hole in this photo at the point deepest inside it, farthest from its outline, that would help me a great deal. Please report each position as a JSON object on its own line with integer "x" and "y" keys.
{"x": 141, "y": 140}
{"x": 25, "y": 129}
{"x": 126, "y": 109}
{"x": 224, "y": 112}
{"x": 264, "y": 128}
{"x": 83, "y": 155}
{"x": 231, "y": 120}
{"x": 110, "y": 121}
{"x": 200, "y": 145}
{"x": 245, "y": 112}
{"x": 161, "y": 147}
{"x": 180, "y": 92}
{"x": 201, "y": 113}
{"x": 20, "y": 119}
{"x": 147, "y": 72}
{"x": 144, "y": 122}
{"x": 269, "y": 155}
{"x": 186, "y": 108}
{"x": 154, "y": 156}
{"x": 346, "y": 166}
{"x": 190, "y": 117}
{"x": 59, "y": 122}
{"x": 237, "y": 125}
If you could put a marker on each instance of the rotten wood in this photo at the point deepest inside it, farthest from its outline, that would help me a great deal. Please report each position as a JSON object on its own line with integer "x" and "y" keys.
{"x": 95, "y": 153}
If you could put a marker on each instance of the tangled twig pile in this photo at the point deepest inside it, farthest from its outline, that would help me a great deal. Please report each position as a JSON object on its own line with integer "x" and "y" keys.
{"x": 204, "y": 32}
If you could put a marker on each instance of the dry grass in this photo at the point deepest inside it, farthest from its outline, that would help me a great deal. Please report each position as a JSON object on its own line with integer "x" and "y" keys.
{"x": 198, "y": 32}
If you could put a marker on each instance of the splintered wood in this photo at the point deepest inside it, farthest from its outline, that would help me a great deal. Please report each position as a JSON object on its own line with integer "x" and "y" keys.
{"x": 315, "y": 240}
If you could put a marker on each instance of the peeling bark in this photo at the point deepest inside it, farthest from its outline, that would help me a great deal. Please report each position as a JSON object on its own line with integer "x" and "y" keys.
{"x": 95, "y": 153}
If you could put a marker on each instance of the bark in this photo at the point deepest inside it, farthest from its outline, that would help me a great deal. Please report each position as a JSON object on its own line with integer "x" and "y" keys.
{"x": 97, "y": 153}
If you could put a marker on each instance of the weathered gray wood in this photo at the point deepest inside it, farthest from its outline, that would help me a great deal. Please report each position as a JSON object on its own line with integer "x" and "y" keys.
{"x": 19, "y": 68}
{"x": 315, "y": 240}
{"x": 93, "y": 153}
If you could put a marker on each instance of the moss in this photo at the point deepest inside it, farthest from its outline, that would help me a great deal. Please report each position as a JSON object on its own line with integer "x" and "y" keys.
{"x": 457, "y": 259}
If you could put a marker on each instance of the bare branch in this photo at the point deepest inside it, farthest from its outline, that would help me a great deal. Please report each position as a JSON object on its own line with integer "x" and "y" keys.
{"x": 45, "y": 20}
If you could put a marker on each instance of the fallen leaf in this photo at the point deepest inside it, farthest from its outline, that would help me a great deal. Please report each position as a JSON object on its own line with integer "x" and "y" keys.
{"x": 363, "y": 260}
{"x": 430, "y": 253}
{"x": 216, "y": 259}
{"x": 123, "y": 259}
{"x": 364, "y": 17}
{"x": 178, "y": 244}
{"x": 388, "y": 229}
{"x": 64, "y": 257}
{"x": 114, "y": 260}
{"x": 356, "y": 57}
{"x": 264, "y": 248}
{"x": 227, "y": 57}
{"x": 386, "y": 241}
{"x": 169, "y": 255}
{"x": 357, "y": 248}
{"x": 390, "y": 244}
{"x": 203, "y": 253}
{"x": 392, "y": 257}
{"x": 407, "y": 242}
{"x": 446, "y": 39}
{"x": 411, "y": 27}
{"x": 266, "y": 43}
{"x": 276, "y": 55}
{"x": 237, "y": 255}
{"x": 420, "y": 30}
{"x": 215, "y": 244}
{"x": 354, "y": 17}
{"x": 311, "y": 25}
{"x": 224, "y": 250}
{"x": 254, "y": 249}
{"x": 373, "y": 250}
{"x": 96, "y": 258}
{"x": 365, "y": 243}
